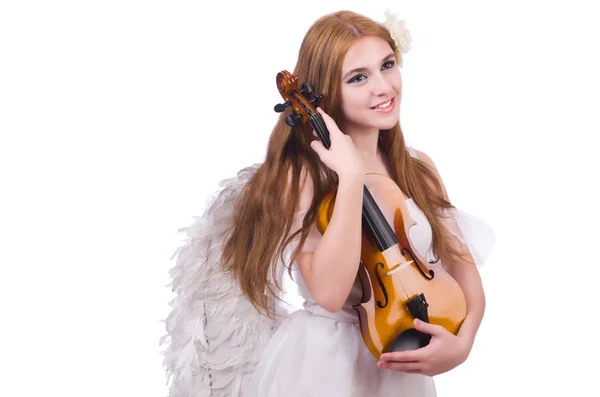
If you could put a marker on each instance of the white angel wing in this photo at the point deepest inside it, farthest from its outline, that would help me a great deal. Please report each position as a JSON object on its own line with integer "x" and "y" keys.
{"x": 473, "y": 232}
{"x": 214, "y": 335}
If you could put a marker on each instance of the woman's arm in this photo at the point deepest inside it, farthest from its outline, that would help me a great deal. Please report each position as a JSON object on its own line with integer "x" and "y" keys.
{"x": 464, "y": 272}
{"x": 330, "y": 271}
{"x": 446, "y": 350}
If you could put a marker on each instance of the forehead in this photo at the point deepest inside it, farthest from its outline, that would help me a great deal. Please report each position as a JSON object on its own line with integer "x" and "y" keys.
{"x": 366, "y": 52}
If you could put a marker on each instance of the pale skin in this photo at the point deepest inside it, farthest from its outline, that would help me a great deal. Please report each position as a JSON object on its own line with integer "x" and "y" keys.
{"x": 352, "y": 155}
{"x": 446, "y": 350}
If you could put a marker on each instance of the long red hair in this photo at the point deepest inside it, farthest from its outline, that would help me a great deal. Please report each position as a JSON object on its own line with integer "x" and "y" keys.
{"x": 267, "y": 204}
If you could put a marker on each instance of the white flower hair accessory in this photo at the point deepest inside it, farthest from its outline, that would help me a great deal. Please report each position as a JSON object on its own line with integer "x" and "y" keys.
{"x": 399, "y": 33}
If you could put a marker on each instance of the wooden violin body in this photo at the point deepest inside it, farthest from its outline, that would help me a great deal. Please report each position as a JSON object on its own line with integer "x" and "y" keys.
{"x": 397, "y": 285}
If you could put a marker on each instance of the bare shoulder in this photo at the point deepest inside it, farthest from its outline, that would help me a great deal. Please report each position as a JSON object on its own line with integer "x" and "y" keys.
{"x": 425, "y": 158}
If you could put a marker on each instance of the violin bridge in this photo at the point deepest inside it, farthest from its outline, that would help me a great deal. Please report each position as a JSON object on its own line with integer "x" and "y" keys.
{"x": 399, "y": 267}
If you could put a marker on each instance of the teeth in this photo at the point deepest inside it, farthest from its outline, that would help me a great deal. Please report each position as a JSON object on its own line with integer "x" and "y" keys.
{"x": 384, "y": 105}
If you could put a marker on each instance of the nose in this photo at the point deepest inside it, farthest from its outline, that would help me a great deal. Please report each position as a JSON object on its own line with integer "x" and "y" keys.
{"x": 381, "y": 85}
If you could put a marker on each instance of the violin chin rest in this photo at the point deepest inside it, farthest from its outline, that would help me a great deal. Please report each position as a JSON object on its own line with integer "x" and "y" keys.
{"x": 411, "y": 339}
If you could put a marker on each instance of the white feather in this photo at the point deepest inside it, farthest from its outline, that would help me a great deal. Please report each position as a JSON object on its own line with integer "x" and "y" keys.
{"x": 214, "y": 336}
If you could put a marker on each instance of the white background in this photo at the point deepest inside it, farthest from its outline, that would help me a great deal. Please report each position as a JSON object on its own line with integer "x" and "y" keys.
{"x": 118, "y": 119}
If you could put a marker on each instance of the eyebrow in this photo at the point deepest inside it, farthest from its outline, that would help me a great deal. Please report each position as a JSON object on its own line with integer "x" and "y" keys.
{"x": 391, "y": 55}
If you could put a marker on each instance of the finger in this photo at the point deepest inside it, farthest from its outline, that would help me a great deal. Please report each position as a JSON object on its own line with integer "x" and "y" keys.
{"x": 330, "y": 124}
{"x": 411, "y": 367}
{"x": 318, "y": 147}
{"x": 325, "y": 116}
{"x": 404, "y": 356}
{"x": 432, "y": 329}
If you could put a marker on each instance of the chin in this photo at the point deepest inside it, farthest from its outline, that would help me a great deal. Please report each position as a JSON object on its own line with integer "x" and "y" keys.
{"x": 387, "y": 126}
{"x": 377, "y": 121}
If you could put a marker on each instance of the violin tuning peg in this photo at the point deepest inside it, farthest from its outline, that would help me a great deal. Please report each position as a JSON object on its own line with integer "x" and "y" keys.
{"x": 306, "y": 89}
{"x": 280, "y": 107}
{"x": 316, "y": 99}
{"x": 292, "y": 119}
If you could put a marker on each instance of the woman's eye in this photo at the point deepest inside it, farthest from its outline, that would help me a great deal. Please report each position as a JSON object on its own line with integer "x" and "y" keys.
{"x": 357, "y": 78}
{"x": 360, "y": 77}
{"x": 389, "y": 64}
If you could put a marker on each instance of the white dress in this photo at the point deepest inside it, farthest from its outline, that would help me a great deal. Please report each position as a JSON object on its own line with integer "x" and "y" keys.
{"x": 318, "y": 353}
{"x": 218, "y": 346}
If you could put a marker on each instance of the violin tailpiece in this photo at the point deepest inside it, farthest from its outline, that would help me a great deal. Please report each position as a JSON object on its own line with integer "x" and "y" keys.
{"x": 418, "y": 307}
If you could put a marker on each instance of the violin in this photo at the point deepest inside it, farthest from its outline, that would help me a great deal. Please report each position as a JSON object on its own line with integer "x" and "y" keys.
{"x": 397, "y": 286}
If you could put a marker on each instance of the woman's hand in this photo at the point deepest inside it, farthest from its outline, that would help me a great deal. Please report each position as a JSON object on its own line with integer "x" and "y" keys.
{"x": 444, "y": 352}
{"x": 342, "y": 157}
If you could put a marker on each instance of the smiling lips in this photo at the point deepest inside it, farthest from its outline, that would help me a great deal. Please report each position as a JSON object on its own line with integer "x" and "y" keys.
{"x": 385, "y": 107}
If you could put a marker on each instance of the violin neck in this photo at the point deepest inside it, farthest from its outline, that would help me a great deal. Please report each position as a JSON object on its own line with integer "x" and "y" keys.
{"x": 376, "y": 224}
{"x": 320, "y": 128}
{"x": 373, "y": 219}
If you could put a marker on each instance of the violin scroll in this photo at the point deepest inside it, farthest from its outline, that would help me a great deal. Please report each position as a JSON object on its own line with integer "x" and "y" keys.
{"x": 303, "y": 108}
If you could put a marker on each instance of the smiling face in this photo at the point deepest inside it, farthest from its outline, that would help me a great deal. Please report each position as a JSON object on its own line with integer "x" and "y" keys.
{"x": 371, "y": 86}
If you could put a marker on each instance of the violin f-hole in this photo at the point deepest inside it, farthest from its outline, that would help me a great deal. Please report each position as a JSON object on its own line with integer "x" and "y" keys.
{"x": 380, "y": 282}
{"x": 428, "y": 276}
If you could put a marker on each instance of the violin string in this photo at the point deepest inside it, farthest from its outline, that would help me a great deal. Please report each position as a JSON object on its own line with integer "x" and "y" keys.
{"x": 397, "y": 275}
{"x": 320, "y": 124}
{"x": 406, "y": 294}
{"x": 311, "y": 115}
{"x": 318, "y": 121}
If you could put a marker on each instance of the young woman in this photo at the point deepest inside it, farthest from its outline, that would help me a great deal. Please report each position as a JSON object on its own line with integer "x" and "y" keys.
{"x": 228, "y": 335}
